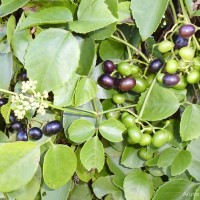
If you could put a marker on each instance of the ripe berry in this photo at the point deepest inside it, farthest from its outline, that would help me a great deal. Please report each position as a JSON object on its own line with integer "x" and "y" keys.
{"x": 156, "y": 65}
{"x": 17, "y": 126}
{"x": 126, "y": 84}
{"x": 35, "y": 133}
{"x": 106, "y": 81}
{"x": 170, "y": 79}
{"x": 180, "y": 41}
{"x": 22, "y": 135}
{"x": 52, "y": 128}
{"x": 108, "y": 66}
{"x": 186, "y": 30}
{"x": 12, "y": 118}
{"x": 3, "y": 101}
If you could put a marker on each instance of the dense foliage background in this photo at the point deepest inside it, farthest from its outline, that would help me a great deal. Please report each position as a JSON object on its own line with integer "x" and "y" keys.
{"x": 134, "y": 135}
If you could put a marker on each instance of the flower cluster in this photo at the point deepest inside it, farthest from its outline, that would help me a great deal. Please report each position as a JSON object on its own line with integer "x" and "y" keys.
{"x": 29, "y": 100}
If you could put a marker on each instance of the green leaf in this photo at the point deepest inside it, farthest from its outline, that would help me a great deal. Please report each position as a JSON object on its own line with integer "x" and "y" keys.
{"x": 189, "y": 5}
{"x": 119, "y": 170}
{"x": 97, "y": 16}
{"x": 92, "y": 154}
{"x": 112, "y": 130}
{"x": 10, "y": 28}
{"x": 20, "y": 42}
{"x": 52, "y": 15}
{"x": 81, "y": 130}
{"x": 30, "y": 190}
{"x": 87, "y": 65}
{"x": 181, "y": 162}
{"x": 156, "y": 103}
{"x": 83, "y": 174}
{"x": 6, "y": 69}
{"x": 138, "y": 186}
{"x": 148, "y": 15}
{"x": 103, "y": 186}
{"x": 61, "y": 193}
{"x": 176, "y": 190}
{"x": 103, "y": 33}
{"x": 81, "y": 192}
{"x": 59, "y": 165}
{"x": 167, "y": 157}
{"x": 3, "y": 137}
{"x": 194, "y": 167}
{"x": 5, "y": 111}
{"x": 59, "y": 60}
{"x": 86, "y": 90}
{"x": 197, "y": 194}
{"x": 18, "y": 164}
{"x": 113, "y": 7}
{"x": 124, "y": 11}
{"x": 110, "y": 49}
{"x": 10, "y": 6}
{"x": 64, "y": 95}
{"x": 130, "y": 158}
{"x": 189, "y": 126}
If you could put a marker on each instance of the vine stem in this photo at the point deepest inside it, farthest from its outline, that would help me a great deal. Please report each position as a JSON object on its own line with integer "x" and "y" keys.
{"x": 128, "y": 48}
{"x": 147, "y": 96}
{"x": 116, "y": 109}
{"x": 173, "y": 11}
{"x": 131, "y": 46}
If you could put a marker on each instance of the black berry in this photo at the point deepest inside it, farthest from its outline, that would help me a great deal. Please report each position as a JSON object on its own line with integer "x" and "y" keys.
{"x": 16, "y": 125}
{"x": 186, "y": 30}
{"x": 108, "y": 66}
{"x": 52, "y": 128}
{"x": 179, "y": 41}
{"x": 3, "y": 101}
{"x": 22, "y": 135}
{"x": 156, "y": 65}
{"x": 171, "y": 80}
{"x": 35, "y": 133}
{"x": 106, "y": 81}
{"x": 126, "y": 84}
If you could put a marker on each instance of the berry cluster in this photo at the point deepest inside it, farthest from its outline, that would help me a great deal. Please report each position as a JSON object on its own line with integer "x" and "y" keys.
{"x": 33, "y": 133}
{"x": 181, "y": 66}
{"x": 123, "y": 77}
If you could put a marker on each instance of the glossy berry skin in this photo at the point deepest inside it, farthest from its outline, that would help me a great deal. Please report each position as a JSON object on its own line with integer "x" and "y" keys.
{"x": 187, "y": 53}
{"x": 146, "y": 139}
{"x": 128, "y": 120}
{"x": 12, "y": 118}
{"x": 3, "y": 101}
{"x": 52, "y": 128}
{"x": 17, "y": 126}
{"x": 134, "y": 134}
{"x": 108, "y": 66}
{"x": 165, "y": 46}
{"x": 106, "y": 81}
{"x": 126, "y": 84}
{"x": 160, "y": 138}
{"x": 180, "y": 42}
{"x": 193, "y": 76}
{"x": 113, "y": 114}
{"x": 141, "y": 85}
{"x": 171, "y": 66}
{"x": 170, "y": 80}
{"x": 124, "y": 68}
{"x": 118, "y": 98}
{"x": 22, "y": 135}
{"x": 186, "y": 30}
{"x": 182, "y": 84}
{"x": 156, "y": 65}
{"x": 35, "y": 133}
